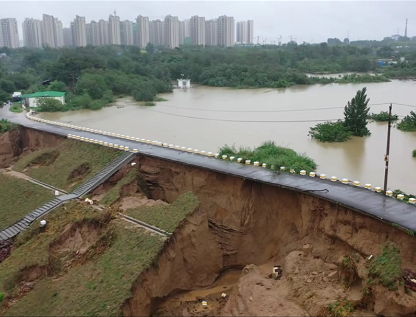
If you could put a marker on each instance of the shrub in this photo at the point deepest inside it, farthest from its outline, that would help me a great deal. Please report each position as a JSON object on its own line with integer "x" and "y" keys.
{"x": 6, "y": 125}
{"x": 271, "y": 154}
{"x": 330, "y": 132}
{"x": 382, "y": 116}
{"x": 387, "y": 267}
{"x": 49, "y": 104}
{"x": 149, "y": 103}
{"x": 408, "y": 123}
{"x": 414, "y": 153}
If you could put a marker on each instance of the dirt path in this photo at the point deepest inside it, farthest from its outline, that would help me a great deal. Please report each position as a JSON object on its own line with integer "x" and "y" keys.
{"x": 10, "y": 172}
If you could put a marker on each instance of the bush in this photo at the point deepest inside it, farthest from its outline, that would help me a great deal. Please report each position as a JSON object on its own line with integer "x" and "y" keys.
{"x": 382, "y": 116}
{"x": 149, "y": 104}
{"x": 414, "y": 153}
{"x": 387, "y": 267}
{"x": 408, "y": 123}
{"x": 49, "y": 104}
{"x": 330, "y": 132}
{"x": 271, "y": 154}
{"x": 6, "y": 125}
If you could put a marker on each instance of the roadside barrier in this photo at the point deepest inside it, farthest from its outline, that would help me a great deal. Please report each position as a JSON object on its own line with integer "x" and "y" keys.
{"x": 283, "y": 169}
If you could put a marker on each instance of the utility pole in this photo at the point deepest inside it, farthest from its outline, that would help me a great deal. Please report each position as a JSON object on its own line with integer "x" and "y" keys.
{"x": 386, "y": 157}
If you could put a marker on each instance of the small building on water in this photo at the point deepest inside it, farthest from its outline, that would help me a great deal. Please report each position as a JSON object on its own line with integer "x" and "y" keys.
{"x": 31, "y": 99}
{"x": 184, "y": 83}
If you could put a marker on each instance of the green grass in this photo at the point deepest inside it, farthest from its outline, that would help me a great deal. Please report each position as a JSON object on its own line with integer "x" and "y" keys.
{"x": 387, "y": 267}
{"x": 6, "y": 125}
{"x": 16, "y": 107}
{"x": 271, "y": 154}
{"x": 18, "y": 197}
{"x": 97, "y": 287}
{"x": 56, "y": 166}
{"x": 167, "y": 217}
{"x": 114, "y": 193}
{"x": 341, "y": 308}
{"x": 34, "y": 246}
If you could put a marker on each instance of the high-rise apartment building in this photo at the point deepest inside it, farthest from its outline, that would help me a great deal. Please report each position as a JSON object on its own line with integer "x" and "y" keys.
{"x": 9, "y": 33}
{"x": 59, "y": 34}
{"x": 143, "y": 33}
{"x": 187, "y": 29}
{"x": 48, "y": 30}
{"x": 32, "y": 33}
{"x": 171, "y": 31}
{"x": 93, "y": 34}
{"x": 79, "y": 31}
{"x": 114, "y": 30}
{"x": 211, "y": 32}
{"x": 245, "y": 32}
{"x": 197, "y": 30}
{"x": 126, "y": 32}
{"x": 226, "y": 31}
{"x": 250, "y": 31}
{"x": 103, "y": 30}
{"x": 181, "y": 35}
{"x": 68, "y": 41}
{"x": 156, "y": 33}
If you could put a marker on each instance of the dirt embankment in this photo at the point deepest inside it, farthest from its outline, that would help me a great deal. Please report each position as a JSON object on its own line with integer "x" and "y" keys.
{"x": 243, "y": 222}
{"x": 24, "y": 140}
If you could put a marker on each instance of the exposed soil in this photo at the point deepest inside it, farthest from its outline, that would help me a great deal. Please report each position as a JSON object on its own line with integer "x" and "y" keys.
{"x": 243, "y": 222}
{"x": 139, "y": 200}
{"x": 79, "y": 173}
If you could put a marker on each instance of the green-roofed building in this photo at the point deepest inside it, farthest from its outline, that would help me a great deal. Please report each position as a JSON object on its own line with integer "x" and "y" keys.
{"x": 31, "y": 99}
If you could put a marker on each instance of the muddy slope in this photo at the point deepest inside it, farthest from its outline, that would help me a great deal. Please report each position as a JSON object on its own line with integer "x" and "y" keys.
{"x": 16, "y": 142}
{"x": 243, "y": 222}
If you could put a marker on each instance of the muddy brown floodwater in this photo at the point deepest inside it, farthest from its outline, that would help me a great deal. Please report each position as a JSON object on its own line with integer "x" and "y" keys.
{"x": 206, "y": 118}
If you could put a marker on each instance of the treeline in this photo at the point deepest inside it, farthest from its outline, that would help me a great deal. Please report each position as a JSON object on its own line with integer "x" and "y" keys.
{"x": 94, "y": 76}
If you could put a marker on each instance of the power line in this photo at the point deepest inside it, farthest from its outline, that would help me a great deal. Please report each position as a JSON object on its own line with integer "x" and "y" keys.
{"x": 262, "y": 111}
{"x": 246, "y": 121}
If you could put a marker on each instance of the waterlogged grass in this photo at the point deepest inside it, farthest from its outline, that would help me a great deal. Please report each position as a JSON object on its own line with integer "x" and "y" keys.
{"x": 97, "y": 287}
{"x": 18, "y": 197}
{"x": 271, "y": 154}
{"x": 114, "y": 193}
{"x": 167, "y": 217}
{"x": 387, "y": 267}
{"x": 67, "y": 166}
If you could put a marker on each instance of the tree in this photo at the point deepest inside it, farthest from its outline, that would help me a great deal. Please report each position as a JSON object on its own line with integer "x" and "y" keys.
{"x": 4, "y": 97}
{"x": 49, "y": 104}
{"x": 57, "y": 86}
{"x": 7, "y": 85}
{"x": 356, "y": 114}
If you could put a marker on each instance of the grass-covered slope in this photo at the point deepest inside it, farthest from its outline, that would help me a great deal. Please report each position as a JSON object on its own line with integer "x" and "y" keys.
{"x": 271, "y": 154}
{"x": 67, "y": 166}
{"x": 18, "y": 197}
{"x": 167, "y": 217}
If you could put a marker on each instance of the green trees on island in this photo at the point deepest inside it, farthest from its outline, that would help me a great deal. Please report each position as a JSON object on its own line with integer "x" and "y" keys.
{"x": 354, "y": 123}
{"x": 383, "y": 116}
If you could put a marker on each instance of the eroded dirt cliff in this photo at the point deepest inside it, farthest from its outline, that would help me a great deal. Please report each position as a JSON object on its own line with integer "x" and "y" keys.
{"x": 242, "y": 222}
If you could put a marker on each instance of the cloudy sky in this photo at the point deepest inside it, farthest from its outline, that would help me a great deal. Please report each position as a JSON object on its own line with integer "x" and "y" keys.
{"x": 309, "y": 21}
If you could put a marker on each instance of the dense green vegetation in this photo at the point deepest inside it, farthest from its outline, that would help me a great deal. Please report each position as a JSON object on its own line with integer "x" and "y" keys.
{"x": 272, "y": 155}
{"x": 330, "y": 132}
{"x": 93, "y": 76}
{"x": 383, "y": 116}
{"x": 18, "y": 197}
{"x": 354, "y": 124}
{"x": 6, "y": 125}
{"x": 414, "y": 153}
{"x": 408, "y": 123}
{"x": 16, "y": 107}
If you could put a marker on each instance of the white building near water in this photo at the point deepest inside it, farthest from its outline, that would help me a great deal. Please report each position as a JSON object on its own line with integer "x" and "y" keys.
{"x": 31, "y": 99}
{"x": 184, "y": 83}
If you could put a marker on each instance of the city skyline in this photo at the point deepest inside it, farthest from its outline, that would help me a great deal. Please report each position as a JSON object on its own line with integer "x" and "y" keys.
{"x": 171, "y": 32}
{"x": 309, "y": 21}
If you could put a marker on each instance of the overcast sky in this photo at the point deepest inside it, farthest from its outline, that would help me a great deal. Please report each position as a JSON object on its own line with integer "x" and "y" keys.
{"x": 309, "y": 21}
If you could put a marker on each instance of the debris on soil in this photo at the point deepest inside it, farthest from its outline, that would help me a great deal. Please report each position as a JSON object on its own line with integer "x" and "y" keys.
{"x": 5, "y": 250}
